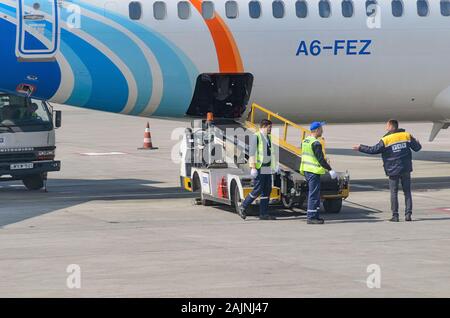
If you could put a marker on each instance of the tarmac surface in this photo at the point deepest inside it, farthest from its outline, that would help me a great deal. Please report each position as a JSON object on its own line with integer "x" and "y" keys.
{"x": 119, "y": 215}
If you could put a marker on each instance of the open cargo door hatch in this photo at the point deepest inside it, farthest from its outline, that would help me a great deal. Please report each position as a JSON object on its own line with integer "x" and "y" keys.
{"x": 225, "y": 95}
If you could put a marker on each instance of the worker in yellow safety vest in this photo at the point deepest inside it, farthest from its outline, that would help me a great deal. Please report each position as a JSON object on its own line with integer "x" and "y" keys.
{"x": 263, "y": 164}
{"x": 313, "y": 166}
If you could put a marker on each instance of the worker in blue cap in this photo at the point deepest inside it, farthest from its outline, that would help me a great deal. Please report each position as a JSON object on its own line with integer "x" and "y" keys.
{"x": 313, "y": 166}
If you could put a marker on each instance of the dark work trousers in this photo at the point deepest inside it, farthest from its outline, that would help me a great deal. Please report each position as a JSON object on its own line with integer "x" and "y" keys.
{"x": 313, "y": 194}
{"x": 405, "y": 179}
{"x": 263, "y": 188}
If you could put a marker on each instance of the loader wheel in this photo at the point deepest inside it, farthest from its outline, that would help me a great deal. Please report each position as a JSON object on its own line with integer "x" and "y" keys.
{"x": 288, "y": 201}
{"x": 34, "y": 182}
{"x": 206, "y": 202}
{"x": 332, "y": 205}
{"x": 237, "y": 200}
{"x": 197, "y": 187}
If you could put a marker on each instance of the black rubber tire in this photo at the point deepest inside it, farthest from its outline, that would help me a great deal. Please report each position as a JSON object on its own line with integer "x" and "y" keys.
{"x": 198, "y": 189}
{"x": 236, "y": 197}
{"x": 207, "y": 202}
{"x": 288, "y": 202}
{"x": 252, "y": 210}
{"x": 333, "y": 205}
{"x": 34, "y": 182}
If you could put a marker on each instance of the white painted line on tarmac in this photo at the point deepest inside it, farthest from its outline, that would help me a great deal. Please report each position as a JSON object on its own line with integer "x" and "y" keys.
{"x": 99, "y": 154}
{"x": 362, "y": 186}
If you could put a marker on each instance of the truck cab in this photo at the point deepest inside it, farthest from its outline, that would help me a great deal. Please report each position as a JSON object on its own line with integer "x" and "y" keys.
{"x": 27, "y": 140}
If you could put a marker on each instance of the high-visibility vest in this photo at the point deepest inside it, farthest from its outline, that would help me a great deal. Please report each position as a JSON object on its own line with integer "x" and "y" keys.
{"x": 260, "y": 154}
{"x": 309, "y": 161}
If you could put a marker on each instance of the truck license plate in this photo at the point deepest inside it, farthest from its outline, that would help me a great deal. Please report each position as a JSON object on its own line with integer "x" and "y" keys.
{"x": 22, "y": 166}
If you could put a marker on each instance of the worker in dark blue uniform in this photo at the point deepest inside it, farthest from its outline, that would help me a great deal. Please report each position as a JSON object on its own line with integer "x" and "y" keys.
{"x": 313, "y": 166}
{"x": 262, "y": 163}
{"x": 395, "y": 148}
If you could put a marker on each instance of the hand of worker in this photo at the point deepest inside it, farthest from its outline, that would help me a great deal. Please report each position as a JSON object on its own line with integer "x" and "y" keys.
{"x": 277, "y": 170}
{"x": 254, "y": 173}
{"x": 356, "y": 147}
{"x": 333, "y": 174}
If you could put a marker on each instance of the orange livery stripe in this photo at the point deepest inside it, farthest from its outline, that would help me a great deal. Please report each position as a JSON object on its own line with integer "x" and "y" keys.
{"x": 226, "y": 49}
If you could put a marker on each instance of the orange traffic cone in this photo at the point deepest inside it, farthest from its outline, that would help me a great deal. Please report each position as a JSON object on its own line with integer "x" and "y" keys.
{"x": 148, "y": 145}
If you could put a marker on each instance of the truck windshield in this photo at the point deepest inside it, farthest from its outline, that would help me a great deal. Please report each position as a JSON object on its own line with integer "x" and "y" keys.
{"x": 22, "y": 111}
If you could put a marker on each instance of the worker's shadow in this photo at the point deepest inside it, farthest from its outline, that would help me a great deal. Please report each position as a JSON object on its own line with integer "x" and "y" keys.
{"x": 424, "y": 155}
{"x": 419, "y": 184}
{"x": 350, "y": 213}
{"x": 19, "y": 204}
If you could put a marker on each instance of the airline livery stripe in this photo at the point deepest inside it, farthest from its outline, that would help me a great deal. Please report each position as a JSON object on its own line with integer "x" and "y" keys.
{"x": 227, "y": 51}
{"x": 65, "y": 89}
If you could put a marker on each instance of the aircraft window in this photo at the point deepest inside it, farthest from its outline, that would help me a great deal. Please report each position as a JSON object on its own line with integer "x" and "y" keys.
{"x": 397, "y": 8}
{"x": 208, "y": 10}
{"x": 347, "y": 8}
{"x": 232, "y": 9}
{"x": 422, "y": 8}
{"x": 445, "y": 8}
{"x": 371, "y": 7}
{"x": 135, "y": 10}
{"x": 159, "y": 10}
{"x": 184, "y": 10}
{"x": 301, "y": 7}
{"x": 255, "y": 9}
{"x": 324, "y": 8}
{"x": 278, "y": 9}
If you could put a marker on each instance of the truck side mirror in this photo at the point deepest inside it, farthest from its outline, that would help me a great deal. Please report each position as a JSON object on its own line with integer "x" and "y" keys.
{"x": 58, "y": 118}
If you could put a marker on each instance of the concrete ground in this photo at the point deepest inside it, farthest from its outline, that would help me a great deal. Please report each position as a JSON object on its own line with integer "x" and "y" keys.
{"x": 124, "y": 221}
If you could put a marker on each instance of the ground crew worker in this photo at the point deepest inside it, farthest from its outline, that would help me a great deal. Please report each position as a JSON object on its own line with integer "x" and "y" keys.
{"x": 314, "y": 165}
{"x": 395, "y": 148}
{"x": 262, "y": 162}
{"x": 30, "y": 112}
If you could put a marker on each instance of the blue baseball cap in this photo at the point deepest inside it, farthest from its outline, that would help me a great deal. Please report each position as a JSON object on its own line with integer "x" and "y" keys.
{"x": 316, "y": 125}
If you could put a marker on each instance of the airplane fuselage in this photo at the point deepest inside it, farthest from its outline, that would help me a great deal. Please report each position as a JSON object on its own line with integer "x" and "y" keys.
{"x": 340, "y": 69}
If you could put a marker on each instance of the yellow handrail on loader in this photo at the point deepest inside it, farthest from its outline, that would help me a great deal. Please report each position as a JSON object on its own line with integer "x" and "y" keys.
{"x": 287, "y": 124}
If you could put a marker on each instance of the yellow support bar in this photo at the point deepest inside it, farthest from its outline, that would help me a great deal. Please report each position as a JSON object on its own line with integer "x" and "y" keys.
{"x": 281, "y": 140}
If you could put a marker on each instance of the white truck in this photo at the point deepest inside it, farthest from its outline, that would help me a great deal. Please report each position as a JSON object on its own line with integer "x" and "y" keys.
{"x": 27, "y": 140}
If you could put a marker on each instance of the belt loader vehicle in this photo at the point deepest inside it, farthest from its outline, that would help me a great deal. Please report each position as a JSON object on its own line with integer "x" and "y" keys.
{"x": 214, "y": 163}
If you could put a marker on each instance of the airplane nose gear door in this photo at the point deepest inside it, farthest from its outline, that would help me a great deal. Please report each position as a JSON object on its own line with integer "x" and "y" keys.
{"x": 37, "y": 30}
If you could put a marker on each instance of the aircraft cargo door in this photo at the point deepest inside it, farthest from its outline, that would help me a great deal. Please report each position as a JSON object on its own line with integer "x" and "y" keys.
{"x": 225, "y": 95}
{"x": 37, "y": 29}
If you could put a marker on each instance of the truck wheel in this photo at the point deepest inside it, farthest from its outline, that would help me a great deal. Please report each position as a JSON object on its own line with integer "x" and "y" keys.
{"x": 332, "y": 205}
{"x": 34, "y": 182}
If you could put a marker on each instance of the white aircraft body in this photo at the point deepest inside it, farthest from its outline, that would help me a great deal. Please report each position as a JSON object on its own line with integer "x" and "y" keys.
{"x": 333, "y": 60}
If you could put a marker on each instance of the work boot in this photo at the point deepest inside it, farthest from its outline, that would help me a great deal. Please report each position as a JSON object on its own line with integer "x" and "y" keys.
{"x": 267, "y": 218}
{"x": 315, "y": 221}
{"x": 394, "y": 218}
{"x": 242, "y": 212}
{"x": 408, "y": 217}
